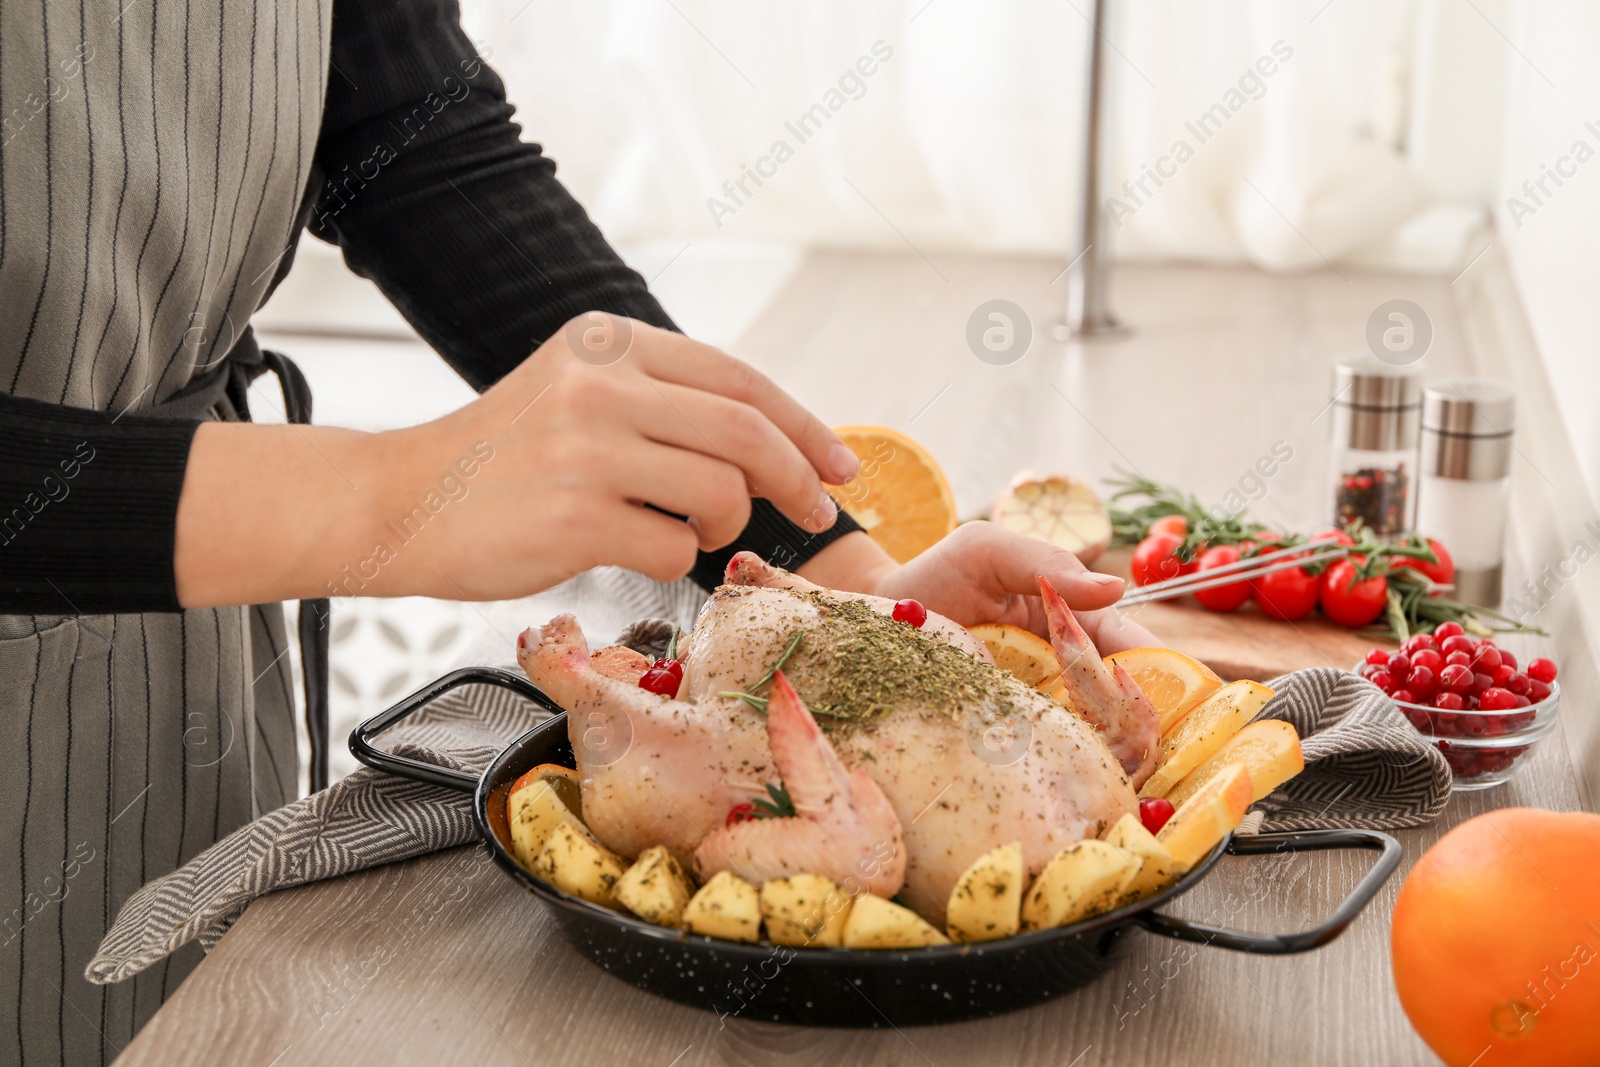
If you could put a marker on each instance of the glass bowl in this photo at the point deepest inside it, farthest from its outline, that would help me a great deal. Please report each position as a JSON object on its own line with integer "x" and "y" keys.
{"x": 1484, "y": 748}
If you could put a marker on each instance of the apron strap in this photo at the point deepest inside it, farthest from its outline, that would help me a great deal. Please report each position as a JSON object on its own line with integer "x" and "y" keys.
{"x": 315, "y": 615}
{"x": 231, "y": 377}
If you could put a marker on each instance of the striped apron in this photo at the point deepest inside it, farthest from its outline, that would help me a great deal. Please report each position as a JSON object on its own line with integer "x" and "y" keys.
{"x": 152, "y": 159}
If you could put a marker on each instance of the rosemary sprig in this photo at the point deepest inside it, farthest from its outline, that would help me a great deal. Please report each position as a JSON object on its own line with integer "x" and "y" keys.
{"x": 758, "y": 703}
{"x": 748, "y": 695}
{"x": 779, "y": 807}
{"x": 1416, "y": 603}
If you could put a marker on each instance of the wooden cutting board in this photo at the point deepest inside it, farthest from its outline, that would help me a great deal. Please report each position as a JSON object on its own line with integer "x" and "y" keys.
{"x": 1244, "y": 643}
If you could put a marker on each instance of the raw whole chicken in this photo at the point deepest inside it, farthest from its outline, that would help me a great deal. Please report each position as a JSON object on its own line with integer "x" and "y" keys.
{"x": 905, "y": 752}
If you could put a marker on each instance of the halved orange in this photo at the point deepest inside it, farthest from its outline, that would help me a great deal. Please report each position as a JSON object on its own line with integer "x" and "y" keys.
{"x": 1175, "y": 683}
{"x": 900, "y": 496}
{"x": 1022, "y": 652}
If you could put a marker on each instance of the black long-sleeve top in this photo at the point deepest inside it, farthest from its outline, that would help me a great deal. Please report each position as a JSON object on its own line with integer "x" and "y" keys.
{"x": 422, "y": 180}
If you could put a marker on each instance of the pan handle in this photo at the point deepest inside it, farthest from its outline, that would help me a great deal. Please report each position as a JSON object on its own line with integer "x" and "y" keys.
{"x": 362, "y": 748}
{"x": 1305, "y": 940}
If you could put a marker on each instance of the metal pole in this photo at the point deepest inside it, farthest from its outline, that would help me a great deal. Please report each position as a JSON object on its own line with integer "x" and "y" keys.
{"x": 1089, "y": 314}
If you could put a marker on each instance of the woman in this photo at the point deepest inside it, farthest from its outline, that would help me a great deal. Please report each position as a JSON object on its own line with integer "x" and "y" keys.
{"x": 159, "y": 161}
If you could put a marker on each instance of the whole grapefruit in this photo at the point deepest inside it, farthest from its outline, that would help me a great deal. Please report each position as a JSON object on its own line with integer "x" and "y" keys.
{"x": 1496, "y": 941}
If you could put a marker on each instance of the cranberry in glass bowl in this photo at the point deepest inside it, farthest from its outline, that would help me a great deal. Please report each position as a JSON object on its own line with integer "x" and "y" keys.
{"x": 1478, "y": 721}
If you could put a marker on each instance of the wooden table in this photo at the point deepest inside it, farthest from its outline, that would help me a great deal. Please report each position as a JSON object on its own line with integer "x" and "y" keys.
{"x": 442, "y": 960}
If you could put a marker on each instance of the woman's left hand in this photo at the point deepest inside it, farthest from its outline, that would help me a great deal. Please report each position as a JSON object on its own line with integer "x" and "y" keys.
{"x": 985, "y": 573}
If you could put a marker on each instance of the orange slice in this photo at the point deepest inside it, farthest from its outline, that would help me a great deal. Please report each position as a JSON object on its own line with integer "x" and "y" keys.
{"x": 1269, "y": 748}
{"x": 1061, "y": 509}
{"x": 1022, "y": 652}
{"x": 900, "y": 496}
{"x": 1175, "y": 683}
{"x": 1207, "y": 817}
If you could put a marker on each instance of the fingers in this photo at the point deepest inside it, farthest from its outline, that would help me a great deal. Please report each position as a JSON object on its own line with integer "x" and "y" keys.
{"x": 711, "y": 493}
{"x": 742, "y": 437}
{"x": 633, "y": 536}
{"x": 671, "y": 357}
{"x": 1015, "y": 563}
{"x": 1111, "y": 631}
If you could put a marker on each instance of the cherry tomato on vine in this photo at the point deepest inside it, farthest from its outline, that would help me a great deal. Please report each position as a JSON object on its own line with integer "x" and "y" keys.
{"x": 1443, "y": 572}
{"x": 1288, "y": 594}
{"x": 1154, "y": 560}
{"x": 1176, "y": 525}
{"x": 1350, "y": 604}
{"x": 1224, "y": 597}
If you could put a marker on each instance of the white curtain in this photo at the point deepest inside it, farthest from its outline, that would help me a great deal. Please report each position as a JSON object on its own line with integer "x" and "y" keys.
{"x": 957, "y": 124}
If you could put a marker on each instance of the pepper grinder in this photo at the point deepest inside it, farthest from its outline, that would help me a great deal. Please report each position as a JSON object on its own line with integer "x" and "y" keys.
{"x": 1464, "y": 498}
{"x": 1375, "y": 418}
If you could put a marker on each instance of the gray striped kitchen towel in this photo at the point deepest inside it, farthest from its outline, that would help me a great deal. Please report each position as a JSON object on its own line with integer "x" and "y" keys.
{"x": 1365, "y": 767}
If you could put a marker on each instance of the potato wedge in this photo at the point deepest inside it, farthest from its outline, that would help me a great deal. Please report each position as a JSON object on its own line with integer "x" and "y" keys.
{"x": 727, "y": 907}
{"x": 656, "y": 888}
{"x": 805, "y": 909}
{"x": 1270, "y": 748}
{"x": 1079, "y": 881}
{"x": 987, "y": 900}
{"x": 574, "y": 861}
{"x": 1204, "y": 730}
{"x": 1207, "y": 817}
{"x": 1155, "y": 871}
{"x": 538, "y": 802}
{"x": 877, "y": 923}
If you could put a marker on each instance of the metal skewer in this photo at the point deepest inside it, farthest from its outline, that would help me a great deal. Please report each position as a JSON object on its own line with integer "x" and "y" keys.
{"x": 1254, "y": 567}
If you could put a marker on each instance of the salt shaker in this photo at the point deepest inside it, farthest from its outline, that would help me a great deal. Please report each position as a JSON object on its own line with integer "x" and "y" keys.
{"x": 1467, "y": 424}
{"x": 1376, "y": 412}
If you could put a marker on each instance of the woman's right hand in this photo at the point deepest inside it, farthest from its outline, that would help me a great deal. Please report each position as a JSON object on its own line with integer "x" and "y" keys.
{"x": 542, "y": 477}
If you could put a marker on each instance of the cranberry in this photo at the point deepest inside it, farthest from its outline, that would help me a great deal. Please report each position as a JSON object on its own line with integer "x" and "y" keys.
{"x": 1519, "y": 684}
{"x": 1402, "y": 696}
{"x": 670, "y": 665}
{"x": 1154, "y": 813}
{"x": 660, "y": 681}
{"x": 911, "y": 612}
{"x": 1417, "y": 643}
{"x": 741, "y": 813}
{"x": 1382, "y": 679}
{"x": 1496, "y": 699}
{"x": 1538, "y": 691}
{"x": 1520, "y": 720}
{"x": 1457, "y": 678}
{"x": 1458, "y": 659}
{"x": 1428, "y": 658}
{"x": 1542, "y": 670}
{"x": 1502, "y": 673}
{"x": 1456, "y": 643}
{"x": 1448, "y": 629}
{"x": 1422, "y": 681}
{"x": 1379, "y": 657}
{"x": 1507, "y": 659}
{"x": 1449, "y": 701}
{"x": 1486, "y": 659}
{"x": 1480, "y": 682}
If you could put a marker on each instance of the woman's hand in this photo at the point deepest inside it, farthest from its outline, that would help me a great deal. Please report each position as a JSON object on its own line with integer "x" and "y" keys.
{"x": 984, "y": 573}
{"x": 567, "y": 463}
